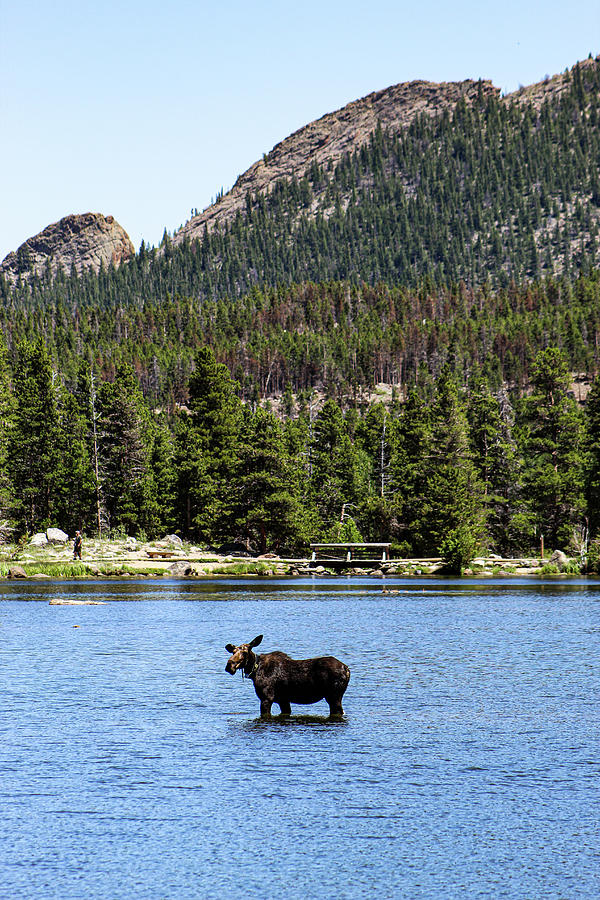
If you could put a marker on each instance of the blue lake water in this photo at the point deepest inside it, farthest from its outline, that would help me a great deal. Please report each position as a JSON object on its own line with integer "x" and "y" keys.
{"x": 467, "y": 764}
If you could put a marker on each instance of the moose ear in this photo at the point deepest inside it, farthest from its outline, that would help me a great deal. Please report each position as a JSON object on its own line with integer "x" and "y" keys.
{"x": 256, "y": 641}
{"x": 230, "y": 648}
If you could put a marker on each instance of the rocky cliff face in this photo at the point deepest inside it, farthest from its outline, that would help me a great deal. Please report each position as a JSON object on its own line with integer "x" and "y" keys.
{"x": 346, "y": 130}
{"x": 80, "y": 241}
{"x": 86, "y": 241}
{"x": 333, "y": 135}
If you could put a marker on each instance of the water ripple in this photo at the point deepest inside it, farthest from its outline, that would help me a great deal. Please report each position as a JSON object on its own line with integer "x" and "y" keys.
{"x": 466, "y": 765}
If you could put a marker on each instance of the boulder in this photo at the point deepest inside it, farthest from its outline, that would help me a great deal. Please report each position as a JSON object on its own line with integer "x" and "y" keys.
{"x": 56, "y": 536}
{"x": 181, "y": 569}
{"x": 17, "y": 572}
{"x": 38, "y": 540}
{"x": 173, "y": 539}
{"x": 559, "y": 559}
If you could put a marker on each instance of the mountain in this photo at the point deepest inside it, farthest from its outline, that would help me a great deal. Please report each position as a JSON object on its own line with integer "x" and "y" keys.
{"x": 447, "y": 182}
{"x": 449, "y": 179}
{"x": 78, "y": 242}
{"x": 424, "y": 225}
{"x": 327, "y": 140}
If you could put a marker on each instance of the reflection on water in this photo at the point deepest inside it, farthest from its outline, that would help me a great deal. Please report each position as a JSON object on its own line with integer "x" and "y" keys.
{"x": 297, "y": 720}
{"x": 132, "y": 765}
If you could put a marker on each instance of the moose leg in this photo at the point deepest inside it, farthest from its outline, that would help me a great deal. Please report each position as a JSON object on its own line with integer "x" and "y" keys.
{"x": 335, "y": 706}
{"x": 265, "y": 708}
{"x": 286, "y": 709}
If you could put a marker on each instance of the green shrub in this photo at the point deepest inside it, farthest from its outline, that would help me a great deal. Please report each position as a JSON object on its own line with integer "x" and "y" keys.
{"x": 345, "y": 532}
{"x": 116, "y": 570}
{"x": 571, "y": 567}
{"x": 458, "y": 549}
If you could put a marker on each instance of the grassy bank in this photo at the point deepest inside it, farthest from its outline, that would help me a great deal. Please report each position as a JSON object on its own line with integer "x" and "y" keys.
{"x": 130, "y": 558}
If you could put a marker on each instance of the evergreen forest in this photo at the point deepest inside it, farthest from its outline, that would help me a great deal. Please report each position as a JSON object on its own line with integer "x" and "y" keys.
{"x": 449, "y": 470}
{"x": 227, "y": 388}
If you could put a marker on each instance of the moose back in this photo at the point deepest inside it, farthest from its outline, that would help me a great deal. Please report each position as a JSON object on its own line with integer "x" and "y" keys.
{"x": 280, "y": 679}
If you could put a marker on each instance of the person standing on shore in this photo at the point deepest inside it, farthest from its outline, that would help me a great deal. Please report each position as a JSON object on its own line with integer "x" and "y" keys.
{"x": 77, "y": 545}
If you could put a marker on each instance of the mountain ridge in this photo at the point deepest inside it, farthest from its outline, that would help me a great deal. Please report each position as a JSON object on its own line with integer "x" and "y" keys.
{"x": 329, "y": 137}
{"x": 333, "y": 134}
{"x": 87, "y": 242}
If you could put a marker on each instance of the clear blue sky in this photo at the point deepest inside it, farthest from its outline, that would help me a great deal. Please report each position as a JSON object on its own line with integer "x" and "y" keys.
{"x": 144, "y": 110}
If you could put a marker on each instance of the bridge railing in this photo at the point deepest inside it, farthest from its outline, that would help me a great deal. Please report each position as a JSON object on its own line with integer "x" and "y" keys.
{"x": 348, "y": 549}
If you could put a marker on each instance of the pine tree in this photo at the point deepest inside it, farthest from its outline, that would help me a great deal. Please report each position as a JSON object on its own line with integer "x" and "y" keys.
{"x": 491, "y": 423}
{"x": 552, "y": 446}
{"x": 409, "y": 469}
{"x": 592, "y": 460}
{"x": 33, "y": 448}
{"x": 268, "y": 510}
{"x": 452, "y": 515}
{"x": 7, "y": 412}
{"x": 335, "y": 476}
{"x": 213, "y": 444}
{"x": 195, "y": 504}
{"x": 127, "y": 486}
{"x": 75, "y": 485}
{"x": 164, "y": 476}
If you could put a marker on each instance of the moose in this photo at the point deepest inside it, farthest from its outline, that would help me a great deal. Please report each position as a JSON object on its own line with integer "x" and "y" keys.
{"x": 280, "y": 679}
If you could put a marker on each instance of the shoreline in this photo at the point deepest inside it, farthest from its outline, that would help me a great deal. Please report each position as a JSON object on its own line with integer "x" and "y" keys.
{"x": 128, "y": 558}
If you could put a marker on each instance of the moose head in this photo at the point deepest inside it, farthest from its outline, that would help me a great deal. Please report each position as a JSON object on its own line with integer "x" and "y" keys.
{"x": 242, "y": 656}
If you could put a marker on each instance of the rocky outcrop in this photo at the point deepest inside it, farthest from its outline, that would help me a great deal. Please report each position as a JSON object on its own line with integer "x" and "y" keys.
{"x": 327, "y": 139}
{"x": 550, "y": 88}
{"x": 333, "y": 135}
{"x": 88, "y": 241}
{"x": 76, "y": 242}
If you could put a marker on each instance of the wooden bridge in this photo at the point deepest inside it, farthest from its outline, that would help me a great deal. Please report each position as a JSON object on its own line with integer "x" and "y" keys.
{"x": 345, "y": 554}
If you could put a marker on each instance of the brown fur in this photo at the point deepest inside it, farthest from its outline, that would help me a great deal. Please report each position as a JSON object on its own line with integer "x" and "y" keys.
{"x": 280, "y": 679}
